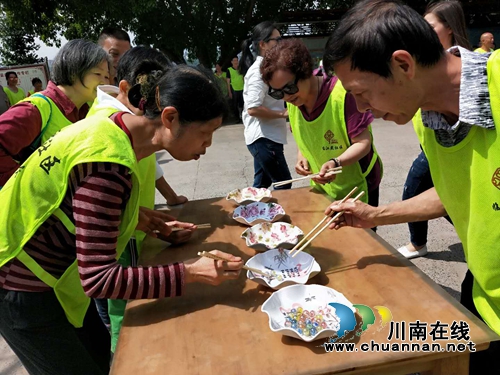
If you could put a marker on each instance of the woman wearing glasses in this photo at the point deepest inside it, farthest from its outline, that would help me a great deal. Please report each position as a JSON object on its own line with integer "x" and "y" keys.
{"x": 328, "y": 129}
{"x": 264, "y": 118}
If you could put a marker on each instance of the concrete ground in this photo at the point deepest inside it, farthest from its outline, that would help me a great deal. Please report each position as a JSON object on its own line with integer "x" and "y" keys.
{"x": 228, "y": 165}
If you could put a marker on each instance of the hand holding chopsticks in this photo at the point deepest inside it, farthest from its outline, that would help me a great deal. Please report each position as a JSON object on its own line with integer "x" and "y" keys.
{"x": 298, "y": 250}
{"x": 329, "y": 172}
{"x": 216, "y": 257}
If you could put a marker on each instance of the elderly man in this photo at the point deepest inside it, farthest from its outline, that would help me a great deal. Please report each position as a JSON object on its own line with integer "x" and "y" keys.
{"x": 391, "y": 60}
{"x": 486, "y": 43}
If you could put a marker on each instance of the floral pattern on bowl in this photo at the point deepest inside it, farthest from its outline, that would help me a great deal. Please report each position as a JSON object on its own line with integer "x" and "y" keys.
{"x": 284, "y": 269}
{"x": 249, "y": 195}
{"x": 306, "y": 299}
{"x": 265, "y": 236}
{"x": 258, "y": 212}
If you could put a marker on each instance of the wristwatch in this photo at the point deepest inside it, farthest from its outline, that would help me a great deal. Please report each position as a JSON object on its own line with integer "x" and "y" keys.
{"x": 336, "y": 161}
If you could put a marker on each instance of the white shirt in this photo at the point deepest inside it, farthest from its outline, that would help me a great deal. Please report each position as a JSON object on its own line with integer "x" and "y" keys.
{"x": 255, "y": 95}
{"x": 105, "y": 98}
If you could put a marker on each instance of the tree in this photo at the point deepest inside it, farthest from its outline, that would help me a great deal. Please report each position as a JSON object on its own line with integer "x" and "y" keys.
{"x": 209, "y": 30}
{"x": 17, "y": 46}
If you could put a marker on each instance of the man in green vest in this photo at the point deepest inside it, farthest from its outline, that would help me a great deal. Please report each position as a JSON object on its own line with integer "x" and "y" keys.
{"x": 486, "y": 43}
{"x": 453, "y": 98}
{"x": 14, "y": 93}
{"x": 235, "y": 85}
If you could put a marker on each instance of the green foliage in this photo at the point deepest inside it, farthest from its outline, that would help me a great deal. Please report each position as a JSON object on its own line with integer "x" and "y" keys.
{"x": 17, "y": 45}
{"x": 208, "y": 29}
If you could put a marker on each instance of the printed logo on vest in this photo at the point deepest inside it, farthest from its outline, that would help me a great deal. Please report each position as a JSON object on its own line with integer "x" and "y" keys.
{"x": 496, "y": 207}
{"x": 495, "y": 180}
{"x": 330, "y": 137}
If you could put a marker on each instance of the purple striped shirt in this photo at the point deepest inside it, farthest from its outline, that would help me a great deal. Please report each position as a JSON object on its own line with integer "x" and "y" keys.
{"x": 96, "y": 196}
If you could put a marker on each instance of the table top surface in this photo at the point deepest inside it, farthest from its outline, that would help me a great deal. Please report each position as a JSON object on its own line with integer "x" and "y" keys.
{"x": 221, "y": 329}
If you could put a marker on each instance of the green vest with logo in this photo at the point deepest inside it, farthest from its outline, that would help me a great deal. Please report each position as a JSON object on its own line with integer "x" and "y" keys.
{"x": 237, "y": 81}
{"x": 325, "y": 138}
{"x": 146, "y": 171}
{"x": 467, "y": 180}
{"x": 36, "y": 190}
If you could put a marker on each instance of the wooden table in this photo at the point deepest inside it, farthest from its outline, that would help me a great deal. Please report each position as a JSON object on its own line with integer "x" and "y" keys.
{"x": 221, "y": 330}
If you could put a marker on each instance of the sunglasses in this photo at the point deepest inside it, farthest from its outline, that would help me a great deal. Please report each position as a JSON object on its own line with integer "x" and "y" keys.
{"x": 277, "y": 39}
{"x": 289, "y": 89}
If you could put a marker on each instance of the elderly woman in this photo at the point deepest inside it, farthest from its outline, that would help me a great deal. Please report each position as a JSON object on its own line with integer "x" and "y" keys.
{"x": 79, "y": 67}
{"x": 328, "y": 129}
{"x": 70, "y": 211}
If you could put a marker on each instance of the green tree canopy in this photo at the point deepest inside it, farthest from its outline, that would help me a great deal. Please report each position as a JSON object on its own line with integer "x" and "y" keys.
{"x": 208, "y": 29}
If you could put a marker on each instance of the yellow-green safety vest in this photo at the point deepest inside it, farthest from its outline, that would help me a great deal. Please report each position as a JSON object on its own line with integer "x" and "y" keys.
{"x": 146, "y": 171}
{"x": 467, "y": 180}
{"x": 325, "y": 138}
{"x": 53, "y": 119}
{"x": 14, "y": 97}
{"x": 237, "y": 81}
{"x": 480, "y": 50}
{"x": 36, "y": 190}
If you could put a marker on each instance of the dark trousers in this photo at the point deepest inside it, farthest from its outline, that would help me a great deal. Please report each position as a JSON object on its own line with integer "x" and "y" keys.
{"x": 484, "y": 362}
{"x": 102, "y": 308}
{"x": 35, "y": 327}
{"x": 418, "y": 180}
{"x": 269, "y": 164}
{"x": 238, "y": 102}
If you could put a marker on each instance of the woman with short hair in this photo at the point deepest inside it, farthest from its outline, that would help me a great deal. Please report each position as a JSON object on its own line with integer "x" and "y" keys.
{"x": 79, "y": 67}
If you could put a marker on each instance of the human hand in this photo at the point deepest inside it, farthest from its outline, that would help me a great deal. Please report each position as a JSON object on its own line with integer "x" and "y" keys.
{"x": 356, "y": 214}
{"x": 179, "y": 199}
{"x": 302, "y": 166}
{"x": 152, "y": 222}
{"x": 284, "y": 114}
{"x": 180, "y": 236}
{"x": 213, "y": 272}
{"x": 323, "y": 176}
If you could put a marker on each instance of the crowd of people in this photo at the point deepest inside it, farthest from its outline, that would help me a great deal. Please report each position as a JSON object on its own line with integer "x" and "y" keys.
{"x": 78, "y": 170}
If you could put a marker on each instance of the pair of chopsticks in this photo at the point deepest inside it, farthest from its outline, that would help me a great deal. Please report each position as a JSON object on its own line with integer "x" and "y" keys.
{"x": 297, "y": 248}
{"x": 216, "y": 257}
{"x": 198, "y": 226}
{"x": 329, "y": 172}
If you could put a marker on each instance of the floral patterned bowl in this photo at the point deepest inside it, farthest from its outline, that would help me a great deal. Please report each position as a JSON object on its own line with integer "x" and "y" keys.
{"x": 284, "y": 269}
{"x": 311, "y": 302}
{"x": 258, "y": 212}
{"x": 265, "y": 236}
{"x": 249, "y": 195}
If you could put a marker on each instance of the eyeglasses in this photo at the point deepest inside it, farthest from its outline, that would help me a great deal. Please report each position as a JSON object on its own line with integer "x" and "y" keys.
{"x": 277, "y": 39}
{"x": 289, "y": 89}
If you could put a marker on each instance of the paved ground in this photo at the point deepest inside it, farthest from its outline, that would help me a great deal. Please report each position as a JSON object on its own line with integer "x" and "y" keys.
{"x": 228, "y": 165}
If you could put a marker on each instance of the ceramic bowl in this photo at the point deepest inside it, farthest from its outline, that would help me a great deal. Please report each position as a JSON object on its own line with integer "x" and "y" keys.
{"x": 265, "y": 236}
{"x": 310, "y": 300}
{"x": 258, "y": 212}
{"x": 249, "y": 195}
{"x": 285, "y": 269}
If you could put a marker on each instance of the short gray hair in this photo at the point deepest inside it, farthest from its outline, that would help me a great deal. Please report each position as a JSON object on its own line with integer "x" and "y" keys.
{"x": 75, "y": 59}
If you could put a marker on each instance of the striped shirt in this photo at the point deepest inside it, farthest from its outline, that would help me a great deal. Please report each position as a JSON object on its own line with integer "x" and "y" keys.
{"x": 97, "y": 195}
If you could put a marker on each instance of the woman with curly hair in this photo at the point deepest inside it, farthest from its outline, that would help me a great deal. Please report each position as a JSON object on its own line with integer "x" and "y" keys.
{"x": 328, "y": 129}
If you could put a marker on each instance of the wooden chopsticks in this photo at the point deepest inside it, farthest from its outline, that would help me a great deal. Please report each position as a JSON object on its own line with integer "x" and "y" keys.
{"x": 216, "y": 257}
{"x": 198, "y": 226}
{"x": 302, "y": 247}
{"x": 330, "y": 172}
